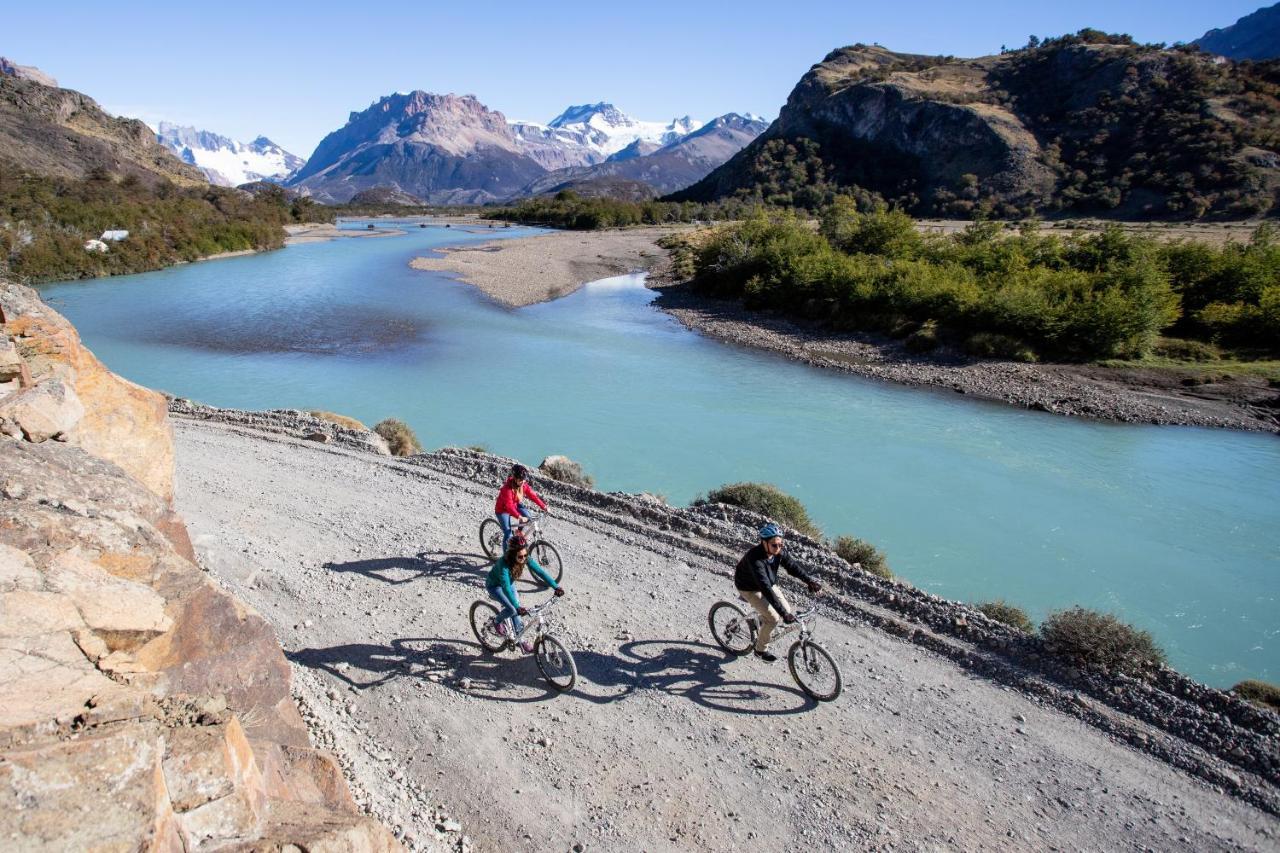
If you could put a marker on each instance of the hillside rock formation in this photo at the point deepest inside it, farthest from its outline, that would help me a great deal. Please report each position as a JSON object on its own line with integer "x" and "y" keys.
{"x": 26, "y": 72}
{"x": 132, "y": 688}
{"x": 666, "y": 168}
{"x": 62, "y": 133}
{"x": 1255, "y": 36}
{"x": 1087, "y": 122}
{"x": 441, "y": 148}
{"x": 225, "y": 161}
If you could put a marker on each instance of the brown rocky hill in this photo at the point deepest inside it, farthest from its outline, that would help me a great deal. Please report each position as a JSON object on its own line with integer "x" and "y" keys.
{"x": 1088, "y": 123}
{"x": 62, "y": 133}
{"x": 141, "y": 706}
{"x": 445, "y": 149}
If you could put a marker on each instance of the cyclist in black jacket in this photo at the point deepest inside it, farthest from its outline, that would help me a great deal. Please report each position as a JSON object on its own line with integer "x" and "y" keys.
{"x": 755, "y": 576}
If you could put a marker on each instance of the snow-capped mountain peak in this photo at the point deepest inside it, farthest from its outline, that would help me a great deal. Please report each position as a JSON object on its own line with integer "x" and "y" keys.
{"x": 223, "y": 160}
{"x": 601, "y": 129}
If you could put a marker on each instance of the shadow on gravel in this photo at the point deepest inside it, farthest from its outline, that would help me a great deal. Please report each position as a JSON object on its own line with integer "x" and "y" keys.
{"x": 695, "y": 671}
{"x": 464, "y": 568}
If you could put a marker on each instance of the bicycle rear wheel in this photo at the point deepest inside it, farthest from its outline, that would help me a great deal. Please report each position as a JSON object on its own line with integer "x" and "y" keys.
{"x": 549, "y": 558}
{"x": 732, "y": 630}
{"x": 491, "y": 538}
{"x": 484, "y": 624}
{"x": 555, "y": 662}
{"x": 815, "y": 671}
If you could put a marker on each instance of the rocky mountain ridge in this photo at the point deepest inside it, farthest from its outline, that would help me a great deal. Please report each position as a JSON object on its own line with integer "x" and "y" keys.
{"x": 60, "y": 132}
{"x": 452, "y": 149}
{"x": 1255, "y": 36}
{"x": 25, "y": 72}
{"x": 1088, "y": 123}
{"x": 226, "y": 162}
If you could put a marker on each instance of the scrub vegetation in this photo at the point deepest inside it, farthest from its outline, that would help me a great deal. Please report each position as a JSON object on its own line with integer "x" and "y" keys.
{"x": 862, "y": 553}
{"x": 766, "y": 499}
{"x": 1100, "y": 640}
{"x": 1259, "y": 693}
{"x": 1024, "y": 294}
{"x": 1001, "y": 611}
{"x": 46, "y": 221}
{"x": 400, "y": 437}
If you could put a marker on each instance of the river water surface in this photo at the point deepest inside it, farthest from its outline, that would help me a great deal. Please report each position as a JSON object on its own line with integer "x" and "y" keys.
{"x": 1175, "y": 529}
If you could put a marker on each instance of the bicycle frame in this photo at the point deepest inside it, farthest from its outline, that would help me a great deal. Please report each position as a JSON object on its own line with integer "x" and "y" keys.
{"x": 538, "y": 621}
{"x": 803, "y": 624}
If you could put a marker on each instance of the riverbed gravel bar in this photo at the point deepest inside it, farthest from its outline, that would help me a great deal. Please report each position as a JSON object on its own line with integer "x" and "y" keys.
{"x": 366, "y": 564}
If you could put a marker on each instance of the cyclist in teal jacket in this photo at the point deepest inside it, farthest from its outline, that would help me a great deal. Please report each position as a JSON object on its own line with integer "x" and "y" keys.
{"x": 506, "y": 569}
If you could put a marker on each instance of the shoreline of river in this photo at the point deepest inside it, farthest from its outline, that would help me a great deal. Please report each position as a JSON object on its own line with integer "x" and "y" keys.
{"x": 527, "y": 270}
{"x": 322, "y": 232}
{"x": 1125, "y": 396}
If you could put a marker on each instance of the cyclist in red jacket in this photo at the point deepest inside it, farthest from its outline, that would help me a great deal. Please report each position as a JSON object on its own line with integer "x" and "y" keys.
{"x": 510, "y": 503}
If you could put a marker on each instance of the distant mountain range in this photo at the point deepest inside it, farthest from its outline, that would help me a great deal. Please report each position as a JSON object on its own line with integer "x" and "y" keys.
{"x": 1255, "y": 36}
{"x": 450, "y": 149}
{"x": 226, "y": 162}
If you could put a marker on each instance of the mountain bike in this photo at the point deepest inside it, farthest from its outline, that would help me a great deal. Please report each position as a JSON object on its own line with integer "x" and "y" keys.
{"x": 811, "y": 665}
{"x": 553, "y": 658}
{"x": 540, "y": 549}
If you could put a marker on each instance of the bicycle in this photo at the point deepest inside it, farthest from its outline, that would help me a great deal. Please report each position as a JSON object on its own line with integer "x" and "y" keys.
{"x": 539, "y": 549}
{"x": 811, "y": 665}
{"x": 553, "y": 658}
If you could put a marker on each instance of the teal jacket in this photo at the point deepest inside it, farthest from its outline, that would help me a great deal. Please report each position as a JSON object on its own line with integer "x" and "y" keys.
{"x": 500, "y": 578}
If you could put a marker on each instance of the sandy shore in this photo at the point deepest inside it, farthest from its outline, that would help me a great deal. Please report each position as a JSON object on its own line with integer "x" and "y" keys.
{"x": 527, "y": 270}
{"x": 318, "y": 232}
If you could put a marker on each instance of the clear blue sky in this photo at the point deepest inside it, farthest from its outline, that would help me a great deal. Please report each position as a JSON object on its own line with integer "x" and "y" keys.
{"x": 293, "y": 71}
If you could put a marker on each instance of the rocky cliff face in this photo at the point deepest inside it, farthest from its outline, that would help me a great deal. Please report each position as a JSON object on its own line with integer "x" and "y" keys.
{"x": 665, "y": 168}
{"x": 26, "y": 72}
{"x": 60, "y": 132}
{"x": 132, "y": 689}
{"x": 1255, "y": 36}
{"x": 441, "y": 148}
{"x": 1088, "y": 122}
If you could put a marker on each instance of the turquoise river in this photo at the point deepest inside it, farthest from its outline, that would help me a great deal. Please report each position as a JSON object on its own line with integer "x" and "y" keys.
{"x": 1177, "y": 530}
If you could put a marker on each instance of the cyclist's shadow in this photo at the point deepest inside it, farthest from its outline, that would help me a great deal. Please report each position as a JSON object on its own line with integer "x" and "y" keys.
{"x": 463, "y": 568}
{"x": 692, "y": 670}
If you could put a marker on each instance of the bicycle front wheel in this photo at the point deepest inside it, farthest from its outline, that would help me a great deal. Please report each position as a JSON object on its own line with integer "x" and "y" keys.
{"x": 549, "y": 558}
{"x": 555, "y": 662}
{"x": 491, "y": 538}
{"x": 815, "y": 671}
{"x": 484, "y": 624}
{"x": 732, "y": 630}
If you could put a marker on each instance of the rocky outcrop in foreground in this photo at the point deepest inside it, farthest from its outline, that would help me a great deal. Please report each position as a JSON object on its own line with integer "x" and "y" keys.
{"x": 132, "y": 689}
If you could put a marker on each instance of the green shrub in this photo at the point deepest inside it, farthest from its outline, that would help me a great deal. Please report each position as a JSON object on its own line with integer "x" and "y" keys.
{"x": 1184, "y": 350}
{"x": 859, "y": 552}
{"x": 399, "y": 436}
{"x": 766, "y": 499}
{"x": 334, "y": 418}
{"x": 1002, "y": 611}
{"x": 992, "y": 345}
{"x": 1259, "y": 693}
{"x": 1100, "y": 640}
{"x": 565, "y": 470}
{"x": 923, "y": 339}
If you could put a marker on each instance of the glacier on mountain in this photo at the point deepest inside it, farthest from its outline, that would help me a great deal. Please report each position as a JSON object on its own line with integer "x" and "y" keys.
{"x": 225, "y": 161}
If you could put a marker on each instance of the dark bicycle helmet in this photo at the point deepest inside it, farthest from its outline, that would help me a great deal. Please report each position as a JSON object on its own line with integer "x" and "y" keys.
{"x": 519, "y": 472}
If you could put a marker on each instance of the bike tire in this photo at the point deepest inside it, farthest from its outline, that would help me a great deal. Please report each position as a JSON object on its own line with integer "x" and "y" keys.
{"x": 731, "y": 629}
{"x": 549, "y": 558}
{"x": 556, "y": 663}
{"x": 815, "y": 671}
{"x": 491, "y": 538}
{"x": 483, "y": 616}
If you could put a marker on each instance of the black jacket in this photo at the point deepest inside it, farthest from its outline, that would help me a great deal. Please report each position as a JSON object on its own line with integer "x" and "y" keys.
{"x": 757, "y": 572}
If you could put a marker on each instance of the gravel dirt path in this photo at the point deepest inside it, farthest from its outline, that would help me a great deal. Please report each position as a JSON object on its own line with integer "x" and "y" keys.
{"x": 366, "y": 566}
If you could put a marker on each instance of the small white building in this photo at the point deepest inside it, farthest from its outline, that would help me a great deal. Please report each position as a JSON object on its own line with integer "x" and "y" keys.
{"x": 95, "y": 246}
{"x": 114, "y": 236}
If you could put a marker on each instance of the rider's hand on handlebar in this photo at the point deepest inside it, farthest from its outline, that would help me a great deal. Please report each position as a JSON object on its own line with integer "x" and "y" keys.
{"x": 523, "y": 611}
{"x": 815, "y": 587}
{"x": 559, "y": 591}
{"x": 789, "y": 618}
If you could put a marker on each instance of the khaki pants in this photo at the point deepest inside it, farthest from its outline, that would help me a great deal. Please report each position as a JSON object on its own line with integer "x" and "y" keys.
{"x": 768, "y": 619}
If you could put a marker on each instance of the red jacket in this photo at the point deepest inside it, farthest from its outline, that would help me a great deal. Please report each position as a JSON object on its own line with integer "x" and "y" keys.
{"x": 509, "y": 502}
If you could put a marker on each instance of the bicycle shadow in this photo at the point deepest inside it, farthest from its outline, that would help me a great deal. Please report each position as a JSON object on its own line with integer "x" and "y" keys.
{"x": 693, "y": 670}
{"x": 462, "y": 666}
{"x": 467, "y": 569}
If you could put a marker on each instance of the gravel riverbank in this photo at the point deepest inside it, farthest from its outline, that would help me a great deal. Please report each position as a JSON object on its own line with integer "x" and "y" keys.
{"x": 366, "y": 565}
{"x": 1130, "y": 396}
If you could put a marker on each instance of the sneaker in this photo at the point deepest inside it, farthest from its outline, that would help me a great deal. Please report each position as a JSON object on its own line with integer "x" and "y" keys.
{"x": 767, "y": 656}
{"x": 503, "y": 629}
{"x": 526, "y": 647}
